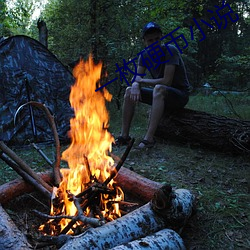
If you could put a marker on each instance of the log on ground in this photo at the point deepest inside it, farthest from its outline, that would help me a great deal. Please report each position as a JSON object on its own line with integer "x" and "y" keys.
{"x": 18, "y": 187}
{"x": 137, "y": 185}
{"x": 212, "y": 131}
{"x": 163, "y": 239}
{"x": 131, "y": 182}
{"x": 148, "y": 219}
{"x": 10, "y": 237}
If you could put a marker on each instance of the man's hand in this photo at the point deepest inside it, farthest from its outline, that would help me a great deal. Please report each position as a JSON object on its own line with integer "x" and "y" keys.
{"x": 135, "y": 93}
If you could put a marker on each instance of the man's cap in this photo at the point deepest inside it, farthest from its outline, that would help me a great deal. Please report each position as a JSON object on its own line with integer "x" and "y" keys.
{"x": 149, "y": 26}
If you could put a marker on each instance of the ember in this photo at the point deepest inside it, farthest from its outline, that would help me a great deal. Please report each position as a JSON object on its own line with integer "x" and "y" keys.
{"x": 87, "y": 188}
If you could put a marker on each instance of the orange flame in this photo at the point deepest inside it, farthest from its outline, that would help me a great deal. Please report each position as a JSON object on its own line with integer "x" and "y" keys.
{"x": 90, "y": 137}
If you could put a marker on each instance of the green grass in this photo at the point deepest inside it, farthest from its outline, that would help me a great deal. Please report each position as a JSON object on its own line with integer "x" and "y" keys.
{"x": 228, "y": 105}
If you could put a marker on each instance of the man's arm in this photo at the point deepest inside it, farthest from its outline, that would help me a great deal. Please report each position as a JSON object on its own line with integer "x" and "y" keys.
{"x": 135, "y": 93}
{"x": 167, "y": 79}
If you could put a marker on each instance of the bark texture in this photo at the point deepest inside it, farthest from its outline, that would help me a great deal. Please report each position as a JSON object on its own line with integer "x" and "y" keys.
{"x": 140, "y": 187}
{"x": 10, "y": 237}
{"x": 131, "y": 182}
{"x": 212, "y": 131}
{"x": 139, "y": 223}
{"x": 163, "y": 239}
{"x": 167, "y": 209}
{"x": 15, "y": 188}
{"x": 43, "y": 32}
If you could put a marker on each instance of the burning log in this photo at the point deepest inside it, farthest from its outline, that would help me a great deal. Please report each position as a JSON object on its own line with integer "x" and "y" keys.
{"x": 165, "y": 210}
{"x": 216, "y": 132}
{"x": 10, "y": 237}
{"x": 163, "y": 239}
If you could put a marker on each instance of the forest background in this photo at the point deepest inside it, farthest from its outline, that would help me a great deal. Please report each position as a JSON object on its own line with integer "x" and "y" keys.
{"x": 111, "y": 31}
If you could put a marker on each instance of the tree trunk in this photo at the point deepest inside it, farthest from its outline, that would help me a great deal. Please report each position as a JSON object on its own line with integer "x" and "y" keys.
{"x": 43, "y": 32}
{"x": 10, "y": 237}
{"x": 212, "y": 131}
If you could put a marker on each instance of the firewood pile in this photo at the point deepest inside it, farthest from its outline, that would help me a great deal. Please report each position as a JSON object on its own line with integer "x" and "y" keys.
{"x": 155, "y": 222}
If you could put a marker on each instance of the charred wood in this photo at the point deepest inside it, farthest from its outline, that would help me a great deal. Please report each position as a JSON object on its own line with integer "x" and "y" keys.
{"x": 120, "y": 163}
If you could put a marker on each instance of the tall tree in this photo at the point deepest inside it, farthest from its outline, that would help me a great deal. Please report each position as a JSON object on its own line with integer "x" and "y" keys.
{"x": 4, "y": 20}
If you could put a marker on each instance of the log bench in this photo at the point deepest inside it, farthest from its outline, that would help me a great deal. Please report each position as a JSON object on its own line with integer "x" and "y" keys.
{"x": 211, "y": 131}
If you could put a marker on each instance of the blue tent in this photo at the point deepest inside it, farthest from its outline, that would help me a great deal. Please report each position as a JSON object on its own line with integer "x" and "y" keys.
{"x": 30, "y": 72}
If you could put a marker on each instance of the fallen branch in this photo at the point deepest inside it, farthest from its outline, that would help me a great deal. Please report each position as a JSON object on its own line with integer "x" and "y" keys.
{"x": 132, "y": 183}
{"x": 23, "y": 165}
{"x": 136, "y": 185}
{"x": 26, "y": 176}
{"x": 212, "y": 131}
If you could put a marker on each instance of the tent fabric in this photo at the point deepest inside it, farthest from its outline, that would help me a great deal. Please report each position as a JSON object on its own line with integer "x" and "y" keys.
{"x": 29, "y": 71}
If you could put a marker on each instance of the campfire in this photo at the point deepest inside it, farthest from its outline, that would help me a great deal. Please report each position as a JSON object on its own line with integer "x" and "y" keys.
{"x": 87, "y": 188}
{"x": 87, "y": 198}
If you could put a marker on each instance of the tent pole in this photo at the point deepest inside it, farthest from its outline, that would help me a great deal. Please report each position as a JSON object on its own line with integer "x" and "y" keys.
{"x": 33, "y": 125}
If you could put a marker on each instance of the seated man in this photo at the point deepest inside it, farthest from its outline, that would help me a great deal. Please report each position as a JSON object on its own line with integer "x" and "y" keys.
{"x": 168, "y": 89}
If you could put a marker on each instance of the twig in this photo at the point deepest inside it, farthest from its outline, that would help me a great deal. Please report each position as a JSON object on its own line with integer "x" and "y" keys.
{"x": 96, "y": 188}
{"x": 86, "y": 162}
{"x": 87, "y": 220}
{"x": 120, "y": 163}
{"x": 52, "y": 217}
{"x": 79, "y": 215}
{"x": 47, "y": 207}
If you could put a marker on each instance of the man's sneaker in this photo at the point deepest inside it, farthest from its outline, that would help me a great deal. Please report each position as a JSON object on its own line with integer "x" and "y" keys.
{"x": 121, "y": 141}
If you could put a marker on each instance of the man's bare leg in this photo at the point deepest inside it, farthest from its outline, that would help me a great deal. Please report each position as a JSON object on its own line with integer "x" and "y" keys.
{"x": 128, "y": 110}
{"x": 156, "y": 113}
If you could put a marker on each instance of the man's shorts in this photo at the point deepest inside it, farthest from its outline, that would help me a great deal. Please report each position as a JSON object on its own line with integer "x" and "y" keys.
{"x": 174, "y": 100}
